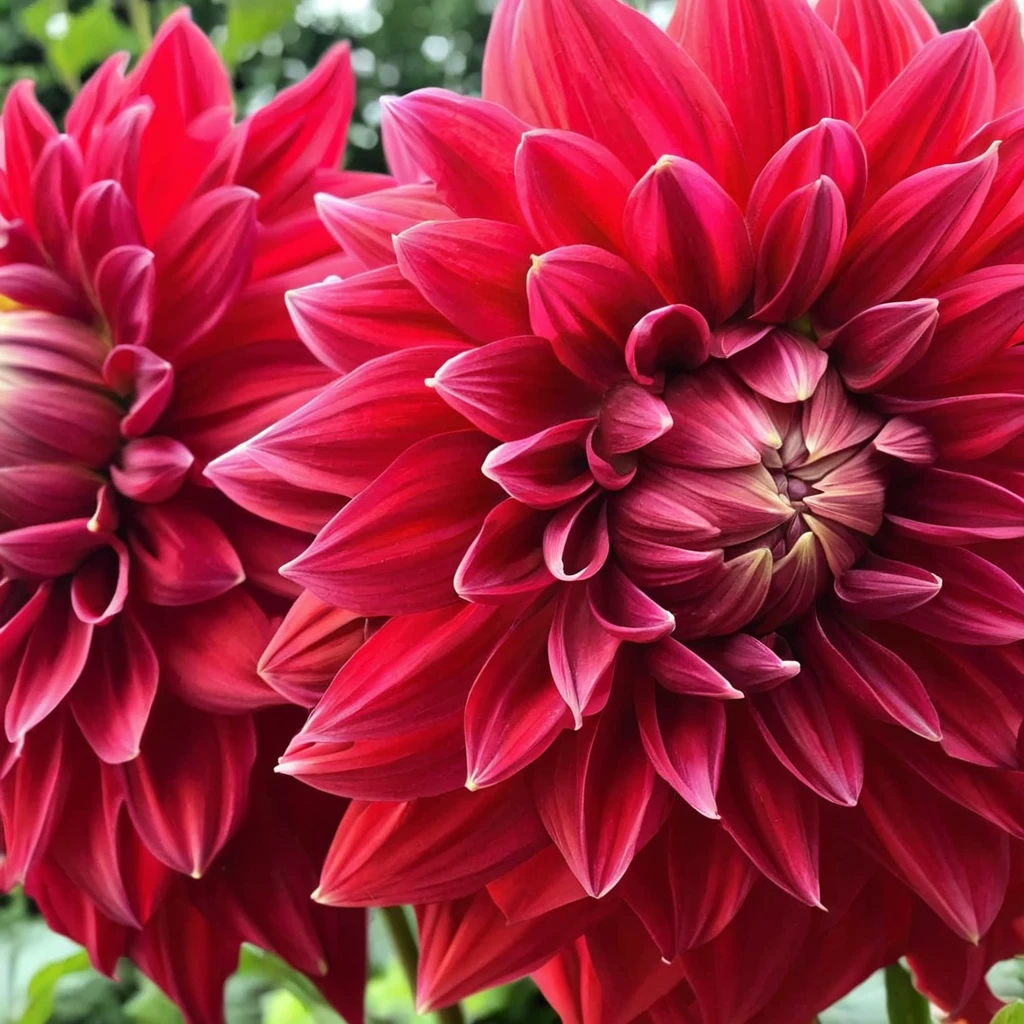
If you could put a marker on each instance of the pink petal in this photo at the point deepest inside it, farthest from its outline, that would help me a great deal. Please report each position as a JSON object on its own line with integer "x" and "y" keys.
{"x": 126, "y": 289}
{"x": 100, "y": 584}
{"x": 152, "y": 469}
{"x": 145, "y": 379}
{"x": 104, "y": 219}
{"x": 576, "y": 542}
{"x": 403, "y": 527}
{"x": 57, "y": 181}
{"x": 624, "y": 610}
{"x": 880, "y": 588}
{"x": 449, "y": 262}
{"x": 783, "y": 366}
{"x": 749, "y": 664}
{"x": 689, "y": 236}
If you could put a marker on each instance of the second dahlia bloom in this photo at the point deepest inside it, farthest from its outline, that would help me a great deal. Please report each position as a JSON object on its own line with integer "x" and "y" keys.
{"x": 144, "y": 257}
{"x": 682, "y": 454}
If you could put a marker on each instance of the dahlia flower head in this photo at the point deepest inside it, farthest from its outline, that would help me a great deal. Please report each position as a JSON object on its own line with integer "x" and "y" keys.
{"x": 144, "y": 259}
{"x": 679, "y": 471}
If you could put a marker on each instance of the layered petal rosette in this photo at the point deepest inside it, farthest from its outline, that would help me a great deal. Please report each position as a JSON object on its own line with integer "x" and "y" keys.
{"x": 144, "y": 257}
{"x": 681, "y": 453}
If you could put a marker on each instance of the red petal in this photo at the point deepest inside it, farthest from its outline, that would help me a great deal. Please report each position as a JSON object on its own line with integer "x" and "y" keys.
{"x": 428, "y": 850}
{"x": 772, "y": 817}
{"x": 415, "y": 670}
{"x": 116, "y": 690}
{"x": 874, "y": 676}
{"x": 778, "y": 72}
{"x": 186, "y": 791}
{"x": 395, "y": 547}
{"x": 810, "y": 731}
{"x": 466, "y": 146}
{"x": 513, "y": 387}
{"x": 181, "y": 555}
{"x": 1000, "y": 28}
{"x": 57, "y": 182}
{"x": 506, "y": 559}
{"x": 310, "y": 645}
{"x": 689, "y": 236}
{"x": 346, "y": 323}
{"x": 27, "y": 129}
{"x": 594, "y": 792}
{"x": 906, "y": 131}
{"x": 881, "y": 36}
{"x": 830, "y": 149}
{"x": 799, "y": 251}
{"x": 956, "y": 862}
{"x": 364, "y": 226}
{"x": 581, "y": 653}
{"x": 205, "y": 254}
{"x": 571, "y": 190}
{"x": 53, "y": 660}
{"x": 514, "y": 711}
{"x": 906, "y": 234}
{"x": 606, "y": 71}
{"x": 471, "y": 271}
{"x": 883, "y": 342}
{"x": 684, "y": 738}
{"x": 344, "y": 438}
{"x": 670, "y": 338}
{"x": 585, "y": 301}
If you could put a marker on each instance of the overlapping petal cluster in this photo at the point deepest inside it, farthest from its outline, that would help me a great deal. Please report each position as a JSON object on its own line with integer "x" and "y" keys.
{"x": 678, "y": 454}
{"x": 145, "y": 256}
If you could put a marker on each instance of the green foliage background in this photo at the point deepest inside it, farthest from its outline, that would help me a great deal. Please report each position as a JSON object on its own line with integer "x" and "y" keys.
{"x": 398, "y": 46}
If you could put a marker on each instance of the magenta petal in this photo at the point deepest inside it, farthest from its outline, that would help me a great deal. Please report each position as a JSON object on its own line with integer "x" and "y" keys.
{"x": 783, "y": 366}
{"x": 880, "y": 588}
{"x": 680, "y": 670}
{"x": 624, "y": 610}
{"x": 152, "y": 469}
{"x": 670, "y": 338}
{"x": 576, "y": 542}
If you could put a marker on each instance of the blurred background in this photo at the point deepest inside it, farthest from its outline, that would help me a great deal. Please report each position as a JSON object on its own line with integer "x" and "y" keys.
{"x": 397, "y": 46}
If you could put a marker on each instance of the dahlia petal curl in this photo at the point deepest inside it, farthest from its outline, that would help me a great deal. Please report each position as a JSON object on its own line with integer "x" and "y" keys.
{"x": 681, "y": 460}
{"x": 144, "y": 257}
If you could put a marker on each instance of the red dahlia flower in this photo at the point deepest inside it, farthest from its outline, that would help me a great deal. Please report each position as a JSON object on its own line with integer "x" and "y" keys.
{"x": 144, "y": 260}
{"x": 683, "y": 456}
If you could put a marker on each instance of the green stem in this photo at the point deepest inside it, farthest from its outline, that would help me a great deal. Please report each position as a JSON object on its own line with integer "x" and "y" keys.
{"x": 138, "y": 15}
{"x": 404, "y": 942}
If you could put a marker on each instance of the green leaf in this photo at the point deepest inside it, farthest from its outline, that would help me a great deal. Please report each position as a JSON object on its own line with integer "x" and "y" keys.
{"x": 250, "y": 22}
{"x": 150, "y": 1006}
{"x": 26, "y": 947}
{"x": 255, "y": 963}
{"x": 1012, "y": 1014}
{"x": 905, "y": 1004}
{"x": 44, "y": 982}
